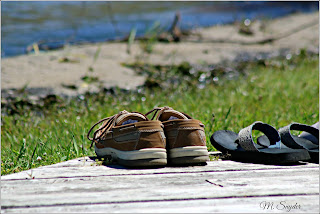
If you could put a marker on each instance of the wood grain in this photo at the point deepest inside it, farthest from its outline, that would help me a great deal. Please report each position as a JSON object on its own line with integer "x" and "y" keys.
{"x": 221, "y": 186}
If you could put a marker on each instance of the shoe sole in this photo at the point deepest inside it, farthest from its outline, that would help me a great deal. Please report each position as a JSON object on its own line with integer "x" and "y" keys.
{"x": 142, "y": 157}
{"x": 188, "y": 155}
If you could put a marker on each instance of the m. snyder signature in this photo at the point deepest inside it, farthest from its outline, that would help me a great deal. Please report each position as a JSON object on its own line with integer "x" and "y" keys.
{"x": 265, "y": 205}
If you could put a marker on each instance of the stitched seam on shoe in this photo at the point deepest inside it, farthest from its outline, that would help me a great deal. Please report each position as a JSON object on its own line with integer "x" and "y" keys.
{"x": 150, "y": 130}
{"x": 170, "y": 124}
{"x": 129, "y": 133}
{"x": 137, "y": 142}
{"x": 163, "y": 138}
{"x": 126, "y": 128}
{"x": 186, "y": 128}
{"x": 201, "y": 138}
{"x": 110, "y": 138}
{"x": 175, "y": 139}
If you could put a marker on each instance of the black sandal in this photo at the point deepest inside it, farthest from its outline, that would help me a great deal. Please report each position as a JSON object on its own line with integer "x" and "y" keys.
{"x": 242, "y": 147}
{"x": 309, "y": 140}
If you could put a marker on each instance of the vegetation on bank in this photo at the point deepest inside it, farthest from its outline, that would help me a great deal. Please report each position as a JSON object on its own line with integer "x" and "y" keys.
{"x": 275, "y": 91}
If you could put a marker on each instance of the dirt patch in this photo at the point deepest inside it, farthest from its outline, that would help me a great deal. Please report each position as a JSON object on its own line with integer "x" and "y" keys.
{"x": 75, "y": 70}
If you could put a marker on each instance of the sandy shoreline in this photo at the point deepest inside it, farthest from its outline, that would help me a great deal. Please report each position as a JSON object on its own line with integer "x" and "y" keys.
{"x": 56, "y": 72}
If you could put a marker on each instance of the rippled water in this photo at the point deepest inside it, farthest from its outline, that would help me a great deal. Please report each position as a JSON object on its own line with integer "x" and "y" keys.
{"x": 24, "y": 23}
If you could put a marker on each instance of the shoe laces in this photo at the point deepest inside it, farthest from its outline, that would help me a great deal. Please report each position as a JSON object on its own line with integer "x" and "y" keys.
{"x": 158, "y": 109}
{"x": 109, "y": 122}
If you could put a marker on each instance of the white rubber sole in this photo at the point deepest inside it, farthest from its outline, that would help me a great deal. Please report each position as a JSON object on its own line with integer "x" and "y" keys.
{"x": 189, "y": 155}
{"x": 142, "y": 157}
{"x": 188, "y": 151}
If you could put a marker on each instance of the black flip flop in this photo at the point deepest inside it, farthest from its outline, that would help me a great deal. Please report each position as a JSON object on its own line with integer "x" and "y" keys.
{"x": 312, "y": 138}
{"x": 308, "y": 140}
{"x": 242, "y": 147}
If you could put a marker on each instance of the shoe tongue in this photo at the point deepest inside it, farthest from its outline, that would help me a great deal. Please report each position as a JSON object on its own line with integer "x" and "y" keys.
{"x": 128, "y": 118}
{"x": 171, "y": 115}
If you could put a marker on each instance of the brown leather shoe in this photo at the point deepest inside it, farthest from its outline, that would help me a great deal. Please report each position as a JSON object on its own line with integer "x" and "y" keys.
{"x": 186, "y": 140}
{"x": 131, "y": 139}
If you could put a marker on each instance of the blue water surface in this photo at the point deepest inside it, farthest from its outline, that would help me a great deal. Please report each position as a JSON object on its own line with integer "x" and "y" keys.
{"x": 61, "y": 22}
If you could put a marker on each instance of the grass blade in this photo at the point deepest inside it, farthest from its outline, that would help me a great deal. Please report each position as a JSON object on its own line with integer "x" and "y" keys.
{"x": 75, "y": 145}
{"x": 131, "y": 39}
{"x": 22, "y": 149}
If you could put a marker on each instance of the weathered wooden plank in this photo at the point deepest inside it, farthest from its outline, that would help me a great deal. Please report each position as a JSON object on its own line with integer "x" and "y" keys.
{"x": 281, "y": 204}
{"x": 83, "y": 186}
{"x": 85, "y": 167}
{"x": 150, "y": 187}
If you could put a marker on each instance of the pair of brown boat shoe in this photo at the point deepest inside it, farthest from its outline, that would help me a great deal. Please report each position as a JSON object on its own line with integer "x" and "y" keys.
{"x": 170, "y": 137}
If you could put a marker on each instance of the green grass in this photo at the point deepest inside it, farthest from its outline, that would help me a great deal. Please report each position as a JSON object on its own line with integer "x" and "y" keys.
{"x": 277, "y": 94}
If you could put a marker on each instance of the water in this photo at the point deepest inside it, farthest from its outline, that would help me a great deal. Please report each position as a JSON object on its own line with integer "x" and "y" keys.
{"x": 56, "y": 23}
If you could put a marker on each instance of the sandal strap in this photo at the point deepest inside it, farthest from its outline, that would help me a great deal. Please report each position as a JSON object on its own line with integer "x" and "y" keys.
{"x": 286, "y": 136}
{"x": 245, "y": 139}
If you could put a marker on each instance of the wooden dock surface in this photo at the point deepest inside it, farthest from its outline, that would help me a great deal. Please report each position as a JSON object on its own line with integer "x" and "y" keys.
{"x": 82, "y": 185}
